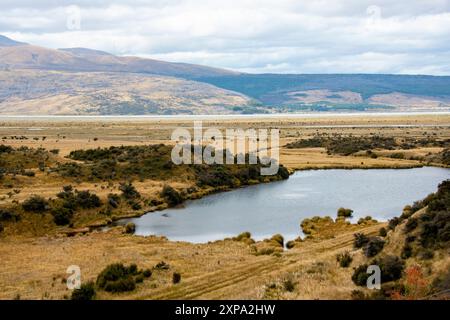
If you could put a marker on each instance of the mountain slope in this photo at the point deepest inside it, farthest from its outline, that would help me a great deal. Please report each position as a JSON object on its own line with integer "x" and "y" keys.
{"x": 43, "y": 92}
{"x": 7, "y": 42}
{"x": 18, "y": 55}
{"x": 340, "y": 91}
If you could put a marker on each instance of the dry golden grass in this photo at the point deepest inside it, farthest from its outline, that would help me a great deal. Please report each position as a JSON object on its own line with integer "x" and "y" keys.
{"x": 34, "y": 267}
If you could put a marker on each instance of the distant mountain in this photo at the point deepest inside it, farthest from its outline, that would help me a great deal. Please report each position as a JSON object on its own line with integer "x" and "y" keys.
{"x": 7, "y": 42}
{"x": 81, "y": 59}
{"x": 49, "y": 92}
{"x": 37, "y": 80}
{"x": 335, "y": 92}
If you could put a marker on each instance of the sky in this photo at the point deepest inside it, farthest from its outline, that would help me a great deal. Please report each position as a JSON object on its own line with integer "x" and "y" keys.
{"x": 277, "y": 36}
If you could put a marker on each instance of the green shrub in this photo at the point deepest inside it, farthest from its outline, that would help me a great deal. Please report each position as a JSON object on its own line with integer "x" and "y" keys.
{"x": 393, "y": 223}
{"x": 407, "y": 251}
{"x": 85, "y": 292}
{"x": 62, "y": 216}
{"x": 391, "y": 268}
{"x": 130, "y": 228}
{"x": 139, "y": 278}
{"x": 172, "y": 196}
{"x": 382, "y": 232}
{"x": 344, "y": 259}
{"x": 176, "y": 278}
{"x": 410, "y": 225}
{"x": 87, "y": 200}
{"x": 113, "y": 200}
{"x": 2, "y": 228}
{"x": 346, "y": 213}
{"x": 360, "y": 275}
{"x": 147, "y": 273}
{"x": 117, "y": 278}
{"x": 129, "y": 191}
{"x": 290, "y": 244}
{"x": 28, "y": 173}
{"x": 288, "y": 284}
{"x": 120, "y": 285}
{"x": 243, "y": 236}
{"x": 162, "y": 266}
{"x": 360, "y": 240}
{"x": 278, "y": 238}
{"x": 35, "y": 204}
{"x": 373, "y": 247}
{"x": 9, "y": 215}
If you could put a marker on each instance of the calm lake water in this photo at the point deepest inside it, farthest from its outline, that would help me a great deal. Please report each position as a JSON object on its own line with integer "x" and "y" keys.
{"x": 278, "y": 207}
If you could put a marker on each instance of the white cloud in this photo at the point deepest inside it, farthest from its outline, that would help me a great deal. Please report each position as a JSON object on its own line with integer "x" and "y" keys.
{"x": 292, "y": 36}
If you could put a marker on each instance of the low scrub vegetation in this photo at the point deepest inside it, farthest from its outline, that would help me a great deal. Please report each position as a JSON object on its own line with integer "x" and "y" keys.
{"x": 120, "y": 278}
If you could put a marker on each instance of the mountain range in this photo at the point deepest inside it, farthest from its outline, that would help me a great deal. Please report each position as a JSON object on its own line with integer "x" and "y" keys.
{"x": 78, "y": 81}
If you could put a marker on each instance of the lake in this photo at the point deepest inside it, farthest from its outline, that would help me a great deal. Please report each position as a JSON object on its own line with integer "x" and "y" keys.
{"x": 279, "y": 207}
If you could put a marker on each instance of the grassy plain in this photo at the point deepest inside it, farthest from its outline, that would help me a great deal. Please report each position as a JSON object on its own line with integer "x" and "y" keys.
{"x": 33, "y": 264}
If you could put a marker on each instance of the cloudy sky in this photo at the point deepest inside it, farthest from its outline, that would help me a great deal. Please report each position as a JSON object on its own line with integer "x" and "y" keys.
{"x": 280, "y": 36}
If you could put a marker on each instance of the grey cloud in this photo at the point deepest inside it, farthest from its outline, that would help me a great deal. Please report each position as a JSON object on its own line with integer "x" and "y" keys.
{"x": 264, "y": 36}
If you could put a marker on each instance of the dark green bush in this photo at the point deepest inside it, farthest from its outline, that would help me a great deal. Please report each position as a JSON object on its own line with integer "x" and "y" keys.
{"x": 242, "y": 236}
{"x": 85, "y": 292}
{"x": 117, "y": 278}
{"x": 391, "y": 268}
{"x": 1, "y": 228}
{"x": 360, "y": 275}
{"x": 120, "y": 285}
{"x": 288, "y": 284}
{"x": 129, "y": 191}
{"x": 147, "y": 273}
{"x": 344, "y": 259}
{"x": 35, "y": 204}
{"x": 373, "y": 247}
{"x": 360, "y": 240}
{"x": 9, "y": 215}
{"x": 346, "y": 213}
{"x": 28, "y": 173}
{"x": 87, "y": 200}
{"x": 161, "y": 266}
{"x": 62, "y": 216}
{"x": 278, "y": 238}
{"x": 407, "y": 251}
{"x": 393, "y": 223}
{"x": 130, "y": 228}
{"x": 176, "y": 278}
{"x": 382, "y": 232}
{"x": 172, "y": 196}
{"x": 410, "y": 225}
